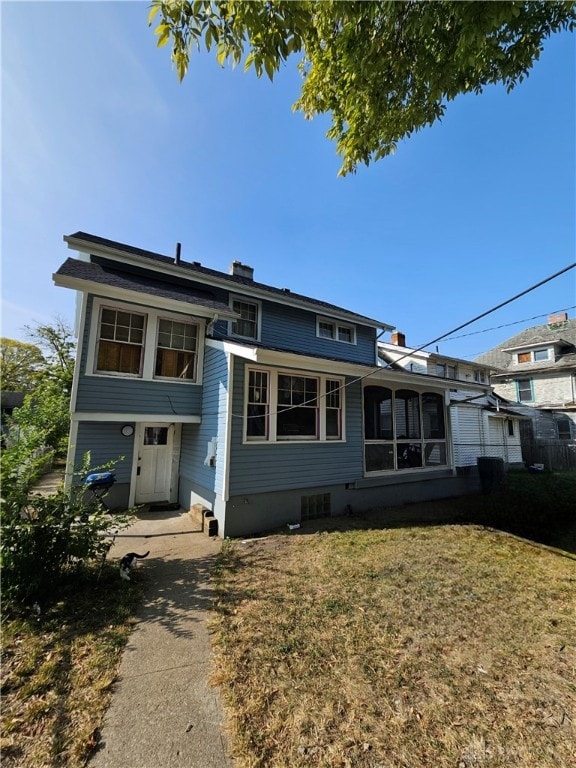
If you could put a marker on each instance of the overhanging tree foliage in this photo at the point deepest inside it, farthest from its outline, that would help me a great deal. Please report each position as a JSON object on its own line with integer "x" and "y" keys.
{"x": 381, "y": 69}
{"x": 20, "y": 364}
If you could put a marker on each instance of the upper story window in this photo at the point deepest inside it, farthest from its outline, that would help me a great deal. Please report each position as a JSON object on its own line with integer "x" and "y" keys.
{"x": 120, "y": 342}
{"x": 479, "y": 376}
{"x": 524, "y": 389}
{"x": 286, "y": 406}
{"x": 536, "y": 356}
{"x": 176, "y": 350}
{"x": 248, "y": 325}
{"x": 146, "y": 345}
{"x": 446, "y": 371}
{"x": 331, "y": 329}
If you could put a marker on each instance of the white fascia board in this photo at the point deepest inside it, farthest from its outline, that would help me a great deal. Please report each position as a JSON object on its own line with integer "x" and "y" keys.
{"x": 137, "y": 297}
{"x": 164, "y": 418}
{"x": 230, "y": 348}
{"x": 246, "y": 290}
{"x": 404, "y": 352}
{"x": 279, "y": 359}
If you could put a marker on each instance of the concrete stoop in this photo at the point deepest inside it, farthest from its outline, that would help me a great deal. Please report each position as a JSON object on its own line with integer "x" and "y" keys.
{"x": 205, "y": 519}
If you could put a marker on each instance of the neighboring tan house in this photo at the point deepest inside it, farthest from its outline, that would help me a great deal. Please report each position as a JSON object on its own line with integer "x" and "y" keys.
{"x": 482, "y": 423}
{"x": 538, "y": 373}
{"x": 263, "y": 406}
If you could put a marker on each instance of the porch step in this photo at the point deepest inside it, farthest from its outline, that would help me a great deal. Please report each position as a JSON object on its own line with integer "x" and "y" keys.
{"x": 205, "y": 519}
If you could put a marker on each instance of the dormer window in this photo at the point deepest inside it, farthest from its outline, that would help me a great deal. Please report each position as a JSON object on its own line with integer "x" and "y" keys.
{"x": 331, "y": 329}
{"x": 534, "y": 356}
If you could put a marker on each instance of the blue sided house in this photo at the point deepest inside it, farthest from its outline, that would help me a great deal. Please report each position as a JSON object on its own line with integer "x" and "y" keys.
{"x": 262, "y": 405}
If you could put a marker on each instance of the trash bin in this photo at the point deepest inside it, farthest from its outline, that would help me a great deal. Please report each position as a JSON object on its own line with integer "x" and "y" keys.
{"x": 492, "y": 473}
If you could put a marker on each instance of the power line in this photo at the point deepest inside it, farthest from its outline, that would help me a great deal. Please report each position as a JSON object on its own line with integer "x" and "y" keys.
{"x": 507, "y": 325}
{"x": 420, "y": 348}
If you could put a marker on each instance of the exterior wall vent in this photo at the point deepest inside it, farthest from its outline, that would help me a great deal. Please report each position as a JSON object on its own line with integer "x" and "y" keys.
{"x": 314, "y": 507}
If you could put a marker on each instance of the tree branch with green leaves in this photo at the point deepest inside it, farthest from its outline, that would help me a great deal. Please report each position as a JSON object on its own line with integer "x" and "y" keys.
{"x": 382, "y": 70}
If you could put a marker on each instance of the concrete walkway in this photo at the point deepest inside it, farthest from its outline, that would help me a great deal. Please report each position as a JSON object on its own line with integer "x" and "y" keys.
{"x": 163, "y": 713}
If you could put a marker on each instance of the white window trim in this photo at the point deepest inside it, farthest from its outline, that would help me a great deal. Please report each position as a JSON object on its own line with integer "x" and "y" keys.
{"x": 336, "y": 325}
{"x": 272, "y": 437}
{"x": 149, "y": 347}
{"x": 258, "y": 305}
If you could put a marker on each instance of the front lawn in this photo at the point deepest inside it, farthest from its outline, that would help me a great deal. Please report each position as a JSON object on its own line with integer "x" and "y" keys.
{"x": 58, "y": 668}
{"x": 446, "y": 646}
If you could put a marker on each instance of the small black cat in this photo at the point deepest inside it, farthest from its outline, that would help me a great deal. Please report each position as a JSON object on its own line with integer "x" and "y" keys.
{"x": 128, "y": 562}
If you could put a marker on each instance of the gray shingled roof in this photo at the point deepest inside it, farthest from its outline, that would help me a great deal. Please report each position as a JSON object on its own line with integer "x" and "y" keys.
{"x": 562, "y": 334}
{"x": 95, "y": 273}
{"x": 195, "y": 268}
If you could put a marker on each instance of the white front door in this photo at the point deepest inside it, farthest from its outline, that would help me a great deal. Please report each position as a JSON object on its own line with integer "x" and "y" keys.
{"x": 155, "y": 443}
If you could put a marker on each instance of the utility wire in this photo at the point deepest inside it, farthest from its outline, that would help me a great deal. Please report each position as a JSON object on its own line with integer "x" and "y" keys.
{"x": 417, "y": 349}
{"x": 507, "y": 325}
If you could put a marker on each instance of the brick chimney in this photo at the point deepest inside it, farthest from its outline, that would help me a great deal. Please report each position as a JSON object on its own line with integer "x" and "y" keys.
{"x": 241, "y": 270}
{"x": 398, "y": 338}
{"x": 559, "y": 317}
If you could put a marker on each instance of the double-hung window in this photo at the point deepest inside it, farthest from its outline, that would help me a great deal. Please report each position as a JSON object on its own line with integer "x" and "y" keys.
{"x": 282, "y": 406}
{"x": 524, "y": 388}
{"x": 246, "y": 326}
{"x": 176, "y": 350}
{"x": 120, "y": 342}
{"x": 148, "y": 345}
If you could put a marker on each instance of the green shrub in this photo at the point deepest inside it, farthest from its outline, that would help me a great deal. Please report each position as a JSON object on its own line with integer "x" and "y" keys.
{"x": 49, "y": 539}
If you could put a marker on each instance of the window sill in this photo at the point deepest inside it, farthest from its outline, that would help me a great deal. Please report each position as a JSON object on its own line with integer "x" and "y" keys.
{"x": 393, "y": 477}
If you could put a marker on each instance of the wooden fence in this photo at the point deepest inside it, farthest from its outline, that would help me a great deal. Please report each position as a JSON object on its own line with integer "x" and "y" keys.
{"x": 554, "y": 454}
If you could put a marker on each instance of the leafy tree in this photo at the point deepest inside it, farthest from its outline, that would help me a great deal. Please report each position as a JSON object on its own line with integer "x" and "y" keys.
{"x": 382, "y": 69}
{"x": 21, "y": 363}
{"x": 42, "y": 422}
{"x": 57, "y": 343}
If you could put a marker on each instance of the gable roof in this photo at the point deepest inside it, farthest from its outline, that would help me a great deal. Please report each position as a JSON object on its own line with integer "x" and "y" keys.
{"x": 92, "y": 244}
{"x": 83, "y": 275}
{"x": 561, "y": 334}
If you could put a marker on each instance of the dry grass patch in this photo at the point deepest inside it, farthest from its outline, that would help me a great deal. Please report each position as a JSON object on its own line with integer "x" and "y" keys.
{"x": 435, "y": 646}
{"x": 58, "y": 669}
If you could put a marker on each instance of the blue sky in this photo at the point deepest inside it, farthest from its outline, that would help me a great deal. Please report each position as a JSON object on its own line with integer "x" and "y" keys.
{"x": 99, "y": 136}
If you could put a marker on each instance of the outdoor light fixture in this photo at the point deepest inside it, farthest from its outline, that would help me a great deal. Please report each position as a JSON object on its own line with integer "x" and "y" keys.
{"x": 127, "y": 430}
